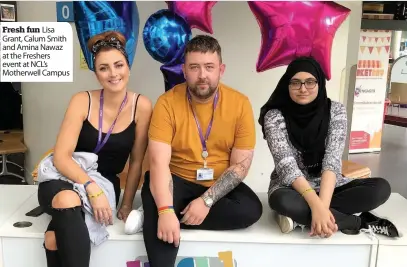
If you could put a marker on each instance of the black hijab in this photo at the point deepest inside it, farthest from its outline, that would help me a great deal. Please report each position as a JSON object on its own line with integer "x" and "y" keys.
{"x": 307, "y": 125}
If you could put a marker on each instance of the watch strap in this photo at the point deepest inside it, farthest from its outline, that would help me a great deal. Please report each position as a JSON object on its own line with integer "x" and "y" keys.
{"x": 206, "y": 201}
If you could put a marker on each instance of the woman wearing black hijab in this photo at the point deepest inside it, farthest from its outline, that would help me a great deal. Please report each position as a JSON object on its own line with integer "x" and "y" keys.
{"x": 306, "y": 134}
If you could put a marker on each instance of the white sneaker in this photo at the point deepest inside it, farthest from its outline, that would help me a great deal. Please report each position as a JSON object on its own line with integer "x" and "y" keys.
{"x": 286, "y": 224}
{"x": 134, "y": 222}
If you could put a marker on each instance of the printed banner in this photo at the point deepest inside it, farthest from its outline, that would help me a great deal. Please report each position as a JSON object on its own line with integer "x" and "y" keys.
{"x": 370, "y": 91}
{"x": 224, "y": 259}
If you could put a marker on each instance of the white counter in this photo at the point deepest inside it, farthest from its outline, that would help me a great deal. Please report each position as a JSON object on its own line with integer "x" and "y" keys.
{"x": 260, "y": 245}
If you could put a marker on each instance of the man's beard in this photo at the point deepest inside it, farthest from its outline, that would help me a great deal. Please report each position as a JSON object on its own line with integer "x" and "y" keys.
{"x": 202, "y": 94}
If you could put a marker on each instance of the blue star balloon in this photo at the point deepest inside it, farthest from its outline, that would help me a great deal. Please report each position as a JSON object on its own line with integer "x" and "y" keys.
{"x": 94, "y": 17}
{"x": 165, "y": 35}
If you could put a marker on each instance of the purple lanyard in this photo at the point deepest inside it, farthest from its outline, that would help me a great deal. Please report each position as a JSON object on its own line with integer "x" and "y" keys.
{"x": 100, "y": 144}
{"x": 203, "y": 140}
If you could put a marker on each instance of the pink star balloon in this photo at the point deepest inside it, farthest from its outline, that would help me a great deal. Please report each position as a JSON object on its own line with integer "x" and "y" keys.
{"x": 293, "y": 29}
{"x": 198, "y": 14}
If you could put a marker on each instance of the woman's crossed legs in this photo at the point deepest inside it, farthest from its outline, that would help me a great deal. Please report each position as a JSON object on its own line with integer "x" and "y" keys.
{"x": 357, "y": 196}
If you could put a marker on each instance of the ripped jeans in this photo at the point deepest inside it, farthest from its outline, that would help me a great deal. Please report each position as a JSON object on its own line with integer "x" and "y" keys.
{"x": 68, "y": 224}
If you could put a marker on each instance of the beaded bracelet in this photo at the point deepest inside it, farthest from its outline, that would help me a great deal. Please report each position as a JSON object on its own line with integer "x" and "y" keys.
{"x": 165, "y": 209}
{"x": 96, "y": 195}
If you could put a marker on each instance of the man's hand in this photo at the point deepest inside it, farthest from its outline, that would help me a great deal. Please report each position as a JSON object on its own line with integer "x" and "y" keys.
{"x": 195, "y": 213}
{"x": 168, "y": 228}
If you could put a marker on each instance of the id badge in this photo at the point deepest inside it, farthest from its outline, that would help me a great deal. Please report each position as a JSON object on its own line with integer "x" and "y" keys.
{"x": 204, "y": 174}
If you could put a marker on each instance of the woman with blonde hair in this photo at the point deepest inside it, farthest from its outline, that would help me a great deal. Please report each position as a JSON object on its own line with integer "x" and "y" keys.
{"x": 112, "y": 123}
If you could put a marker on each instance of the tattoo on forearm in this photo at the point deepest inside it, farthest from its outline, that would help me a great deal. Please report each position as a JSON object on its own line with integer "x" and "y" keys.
{"x": 230, "y": 179}
{"x": 171, "y": 186}
{"x": 226, "y": 183}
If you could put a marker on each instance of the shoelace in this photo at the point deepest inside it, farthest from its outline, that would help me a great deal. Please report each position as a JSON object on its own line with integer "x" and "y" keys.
{"x": 380, "y": 229}
{"x": 370, "y": 232}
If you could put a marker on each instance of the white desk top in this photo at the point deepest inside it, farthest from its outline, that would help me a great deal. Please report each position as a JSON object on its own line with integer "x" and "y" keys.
{"x": 265, "y": 231}
{"x": 395, "y": 210}
{"x": 12, "y": 197}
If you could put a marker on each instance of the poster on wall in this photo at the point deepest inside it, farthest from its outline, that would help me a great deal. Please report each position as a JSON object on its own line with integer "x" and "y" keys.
{"x": 370, "y": 91}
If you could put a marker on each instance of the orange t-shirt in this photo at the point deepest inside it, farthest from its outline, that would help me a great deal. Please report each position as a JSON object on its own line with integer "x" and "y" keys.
{"x": 173, "y": 123}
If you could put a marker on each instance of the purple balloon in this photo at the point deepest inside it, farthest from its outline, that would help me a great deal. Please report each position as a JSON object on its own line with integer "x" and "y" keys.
{"x": 173, "y": 75}
{"x": 172, "y": 71}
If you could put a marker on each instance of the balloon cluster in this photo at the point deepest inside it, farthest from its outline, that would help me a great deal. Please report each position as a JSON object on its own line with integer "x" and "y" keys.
{"x": 167, "y": 31}
{"x": 288, "y": 29}
{"x": 95, "y": 17}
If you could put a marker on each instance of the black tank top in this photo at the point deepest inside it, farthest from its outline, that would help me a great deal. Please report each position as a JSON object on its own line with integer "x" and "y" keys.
{"x": 114, "y": 154}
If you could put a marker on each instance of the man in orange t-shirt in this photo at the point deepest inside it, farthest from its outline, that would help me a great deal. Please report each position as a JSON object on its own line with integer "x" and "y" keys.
{"x": 201, "y": 141}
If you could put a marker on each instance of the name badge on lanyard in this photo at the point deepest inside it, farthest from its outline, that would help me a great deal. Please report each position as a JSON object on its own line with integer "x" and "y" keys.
{"x": 100, "y": 144}
{"x": 205, "y": 173}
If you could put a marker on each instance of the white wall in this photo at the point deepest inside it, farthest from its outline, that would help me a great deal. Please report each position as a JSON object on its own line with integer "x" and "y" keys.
{"x": 44, "y": 104}
{"x": 349, "y": 73}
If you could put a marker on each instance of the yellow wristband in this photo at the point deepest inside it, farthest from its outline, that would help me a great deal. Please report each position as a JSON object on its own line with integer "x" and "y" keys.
{"x": 96, "y": 195}
{"x": 308, "y": 190}
{"x": 165, "y": 211}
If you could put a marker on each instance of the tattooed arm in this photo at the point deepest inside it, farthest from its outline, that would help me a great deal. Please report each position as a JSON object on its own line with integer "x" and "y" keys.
{"x": 160, "y": 176}
{"x": 240, "y": 162}
{"x": 241, "y": 156}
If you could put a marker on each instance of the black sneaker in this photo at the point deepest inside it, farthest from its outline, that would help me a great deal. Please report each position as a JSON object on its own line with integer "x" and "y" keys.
{"x": 378, "y": 225}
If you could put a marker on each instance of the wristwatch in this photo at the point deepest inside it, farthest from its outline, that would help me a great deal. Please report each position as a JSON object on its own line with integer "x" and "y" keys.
{"x": 208, "y": 201}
